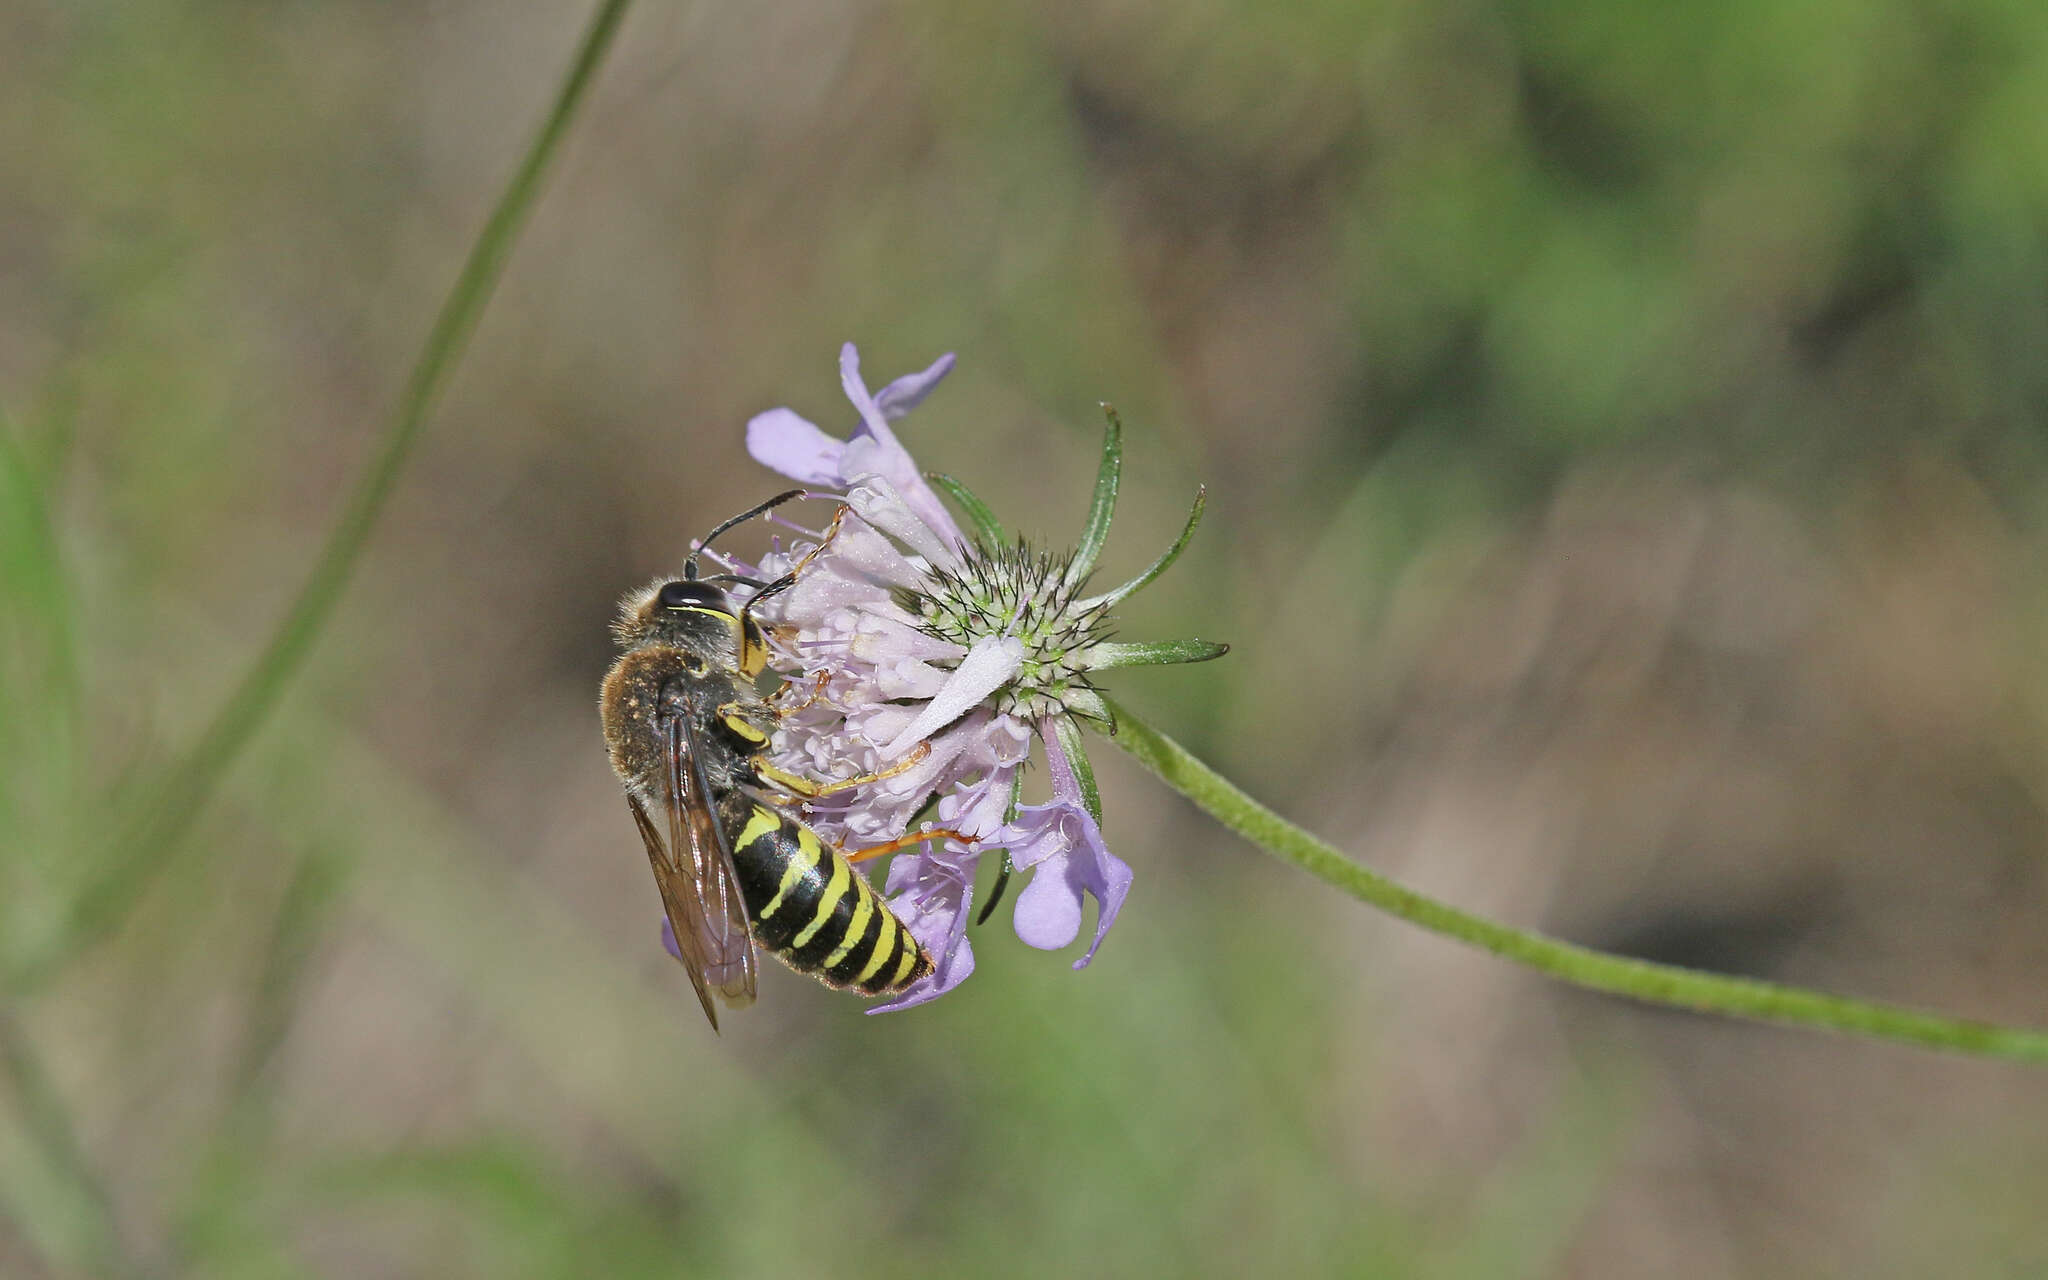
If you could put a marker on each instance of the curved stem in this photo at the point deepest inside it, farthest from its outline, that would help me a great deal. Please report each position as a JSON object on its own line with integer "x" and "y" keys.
{"x": 175, "y": 802}
{"x": 1653, "y": 983}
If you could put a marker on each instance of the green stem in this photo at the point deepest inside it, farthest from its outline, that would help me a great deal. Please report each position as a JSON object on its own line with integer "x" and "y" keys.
{"x": 173, "y": 805}
{"x": 1644, "y": 980}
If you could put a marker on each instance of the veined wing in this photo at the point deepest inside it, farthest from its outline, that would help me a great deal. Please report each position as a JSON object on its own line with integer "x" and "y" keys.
{"x": 694, "y": 872}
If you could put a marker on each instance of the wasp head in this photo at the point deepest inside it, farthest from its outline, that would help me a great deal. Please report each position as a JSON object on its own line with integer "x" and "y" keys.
{"x": 683, "y": 613}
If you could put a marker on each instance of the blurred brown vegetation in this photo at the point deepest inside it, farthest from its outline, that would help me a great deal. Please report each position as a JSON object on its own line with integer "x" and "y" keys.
{"x": 1625, "y": 436}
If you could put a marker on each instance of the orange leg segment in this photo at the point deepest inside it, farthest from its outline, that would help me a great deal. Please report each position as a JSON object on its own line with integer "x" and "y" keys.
{"x": 906, "y": 840}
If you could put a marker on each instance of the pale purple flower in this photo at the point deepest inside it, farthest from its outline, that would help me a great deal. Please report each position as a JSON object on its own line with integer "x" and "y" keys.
{"x": 1061, "y": 844}
{"x": 925, "y": 637}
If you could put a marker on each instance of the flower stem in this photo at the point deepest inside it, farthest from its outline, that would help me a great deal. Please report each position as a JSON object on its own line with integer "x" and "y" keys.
{"x": 175, "y": 802}
{"x": 1644, "y": 980}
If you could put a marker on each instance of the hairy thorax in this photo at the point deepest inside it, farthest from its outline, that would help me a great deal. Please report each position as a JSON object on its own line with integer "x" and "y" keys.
{"x": 639, "y": 697}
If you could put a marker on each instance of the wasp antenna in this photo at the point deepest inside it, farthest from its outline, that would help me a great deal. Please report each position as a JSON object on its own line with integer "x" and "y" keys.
{"x": 690, "y": 565}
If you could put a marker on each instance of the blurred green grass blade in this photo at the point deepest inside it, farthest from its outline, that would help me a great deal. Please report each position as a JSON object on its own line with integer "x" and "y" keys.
{"x": 83, "y": 1210}
{"x": 522, "y": 1208}
{"x": 317, "y": 885}
{"x": 40, "y": 706}
{"x": 37, "y": 596}
{"x": 170, "y": 807}
{"x": 31, "y": 566}
{"x": 1644, "y": 980}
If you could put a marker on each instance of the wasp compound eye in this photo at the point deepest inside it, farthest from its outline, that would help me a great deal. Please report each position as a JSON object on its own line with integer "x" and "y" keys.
{"x": 692, "y": 594}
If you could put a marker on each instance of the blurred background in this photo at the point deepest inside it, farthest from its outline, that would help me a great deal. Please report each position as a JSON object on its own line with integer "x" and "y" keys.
{"x": 1627, "y": 431}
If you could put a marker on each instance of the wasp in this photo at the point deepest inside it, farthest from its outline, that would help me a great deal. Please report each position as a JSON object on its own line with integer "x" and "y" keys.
{"x": 688, "y": 733}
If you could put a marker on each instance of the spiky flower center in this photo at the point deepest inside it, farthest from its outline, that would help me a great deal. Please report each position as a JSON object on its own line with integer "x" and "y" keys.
{"x": 1013, "y": 590}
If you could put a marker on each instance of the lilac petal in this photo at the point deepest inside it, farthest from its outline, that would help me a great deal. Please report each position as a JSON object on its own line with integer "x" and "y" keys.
{"x": 1006, "y": 743}
{"x": 1108, "y": 878}
{"x": 937, "y": 888}
{"x": 862, "y": 551}
{"x": 911, "y": 679}
{"x": 668, "y": 939}
{"x": 781, "y": 440}
{"x": 815, "y": 597}
{"x": 988, "y": 666}
{"x": 977, "y": 808}
{"x": 951, "y": 969}
{"x": 1049, "y": 910}
{"x": 877, "y": 638}
{"x": 908, "y": 509}
{"x": 1062, "y": 841}
{"x": 887, "y": 507}
{"x": 873, "y": 448}
{"x": 872, "y": 423}
{"x": 916, "y": 783}
{"x": 909, "y": 391}
{"x": 785, "y": 441}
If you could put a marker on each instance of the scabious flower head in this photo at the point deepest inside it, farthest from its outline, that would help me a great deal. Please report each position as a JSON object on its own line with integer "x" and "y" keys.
{"x": 905, "y": 632}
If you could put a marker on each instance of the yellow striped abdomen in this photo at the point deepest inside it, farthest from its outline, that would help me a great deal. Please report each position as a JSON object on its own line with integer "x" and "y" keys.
{"x": 810, "y": 906}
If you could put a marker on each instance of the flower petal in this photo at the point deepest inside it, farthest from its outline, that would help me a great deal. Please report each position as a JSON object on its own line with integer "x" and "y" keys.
{"x": 1048, "y": 911}
{"x": 882, "y": 503}
{"x": 977, "y": 808}
{"x": 953, "y": 962}
{"x": 1071, "y": 862}
{"x": 933, "y": 891}
{"x": 860, "y": 550}
{"x": 988, "y": 666}
{"x": 878, "y": 638}
{"x": 789, "y": 443}
{"x": 873, "y": 449}
{"x": 909, "y": 391}
{"x": 909, "y": 679}
{"x": 1065, "y": 846}
{"x": 872, "y": 422}
{"x": 781, "y": 440}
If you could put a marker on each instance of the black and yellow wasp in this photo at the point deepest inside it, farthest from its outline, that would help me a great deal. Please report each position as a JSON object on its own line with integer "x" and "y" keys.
{"x": 688, "y": 734}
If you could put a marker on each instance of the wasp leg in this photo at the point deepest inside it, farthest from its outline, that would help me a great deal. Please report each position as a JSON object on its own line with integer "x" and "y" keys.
{"x": 810, "y": 790}
{"x": 736, "y": 719}
{"x": 906, "y": 840}
{"x": 817, "y": 691}
{"x": 754, "y": 653}
{"x": 831, "y": 533}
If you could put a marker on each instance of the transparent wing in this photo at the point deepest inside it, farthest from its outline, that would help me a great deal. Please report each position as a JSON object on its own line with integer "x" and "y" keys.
{"x": 694, "y": 871}
{"x": 729, "y": 951}
{"x": 668, "y": 878}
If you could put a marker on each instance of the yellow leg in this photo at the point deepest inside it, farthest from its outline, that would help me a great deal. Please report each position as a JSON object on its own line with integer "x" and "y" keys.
{"x": 810, "y": 790}
{"x": 735, "y": 718}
